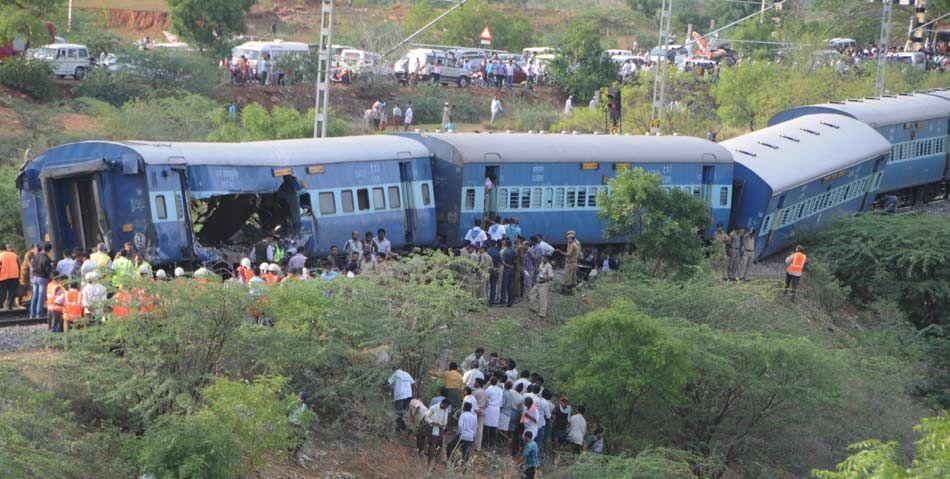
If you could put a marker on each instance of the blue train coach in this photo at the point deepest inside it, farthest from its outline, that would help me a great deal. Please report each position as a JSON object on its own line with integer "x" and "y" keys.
{"x": 914, "y": 124}
{"x": 792, "y": 176}
{"x": 550, "y": 182}
{"x": 189, "y": 202}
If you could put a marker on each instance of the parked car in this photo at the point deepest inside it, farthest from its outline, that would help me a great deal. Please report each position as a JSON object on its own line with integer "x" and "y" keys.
{"x": 424, "y": 59}
{"x": 66, "y": 59}
{"x": 359, "y": 60}
{"x": 841, "y": 43}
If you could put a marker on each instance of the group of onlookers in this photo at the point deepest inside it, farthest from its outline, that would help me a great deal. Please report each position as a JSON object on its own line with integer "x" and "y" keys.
{"x": 488, "y": 405}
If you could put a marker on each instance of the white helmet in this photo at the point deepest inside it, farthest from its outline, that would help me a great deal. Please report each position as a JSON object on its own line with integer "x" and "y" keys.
{"x": 246, "y": 262}
{"x": 273, "y": 268}
{"x": 179, "y": 272}
{"x": 93, "y": 276}
{"x": 202, "y": 272}
{"x": 160, "y": 274}
{"x": 145, "y": 270}
{"x": 263, "y": 266}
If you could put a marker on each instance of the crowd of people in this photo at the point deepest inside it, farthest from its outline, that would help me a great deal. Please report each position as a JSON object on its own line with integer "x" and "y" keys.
{"x": 738, "y": 248}
{"x": 265, "y": 72}
{"x": 488, "y": 406}
{"x": 379, "y": 117}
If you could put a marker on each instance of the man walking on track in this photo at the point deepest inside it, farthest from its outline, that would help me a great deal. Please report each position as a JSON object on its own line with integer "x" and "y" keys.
{"x": 796, "y": 265}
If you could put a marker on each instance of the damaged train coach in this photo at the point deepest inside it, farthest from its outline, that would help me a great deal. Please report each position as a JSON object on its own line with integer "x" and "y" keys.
{"x": 206, "y": 202}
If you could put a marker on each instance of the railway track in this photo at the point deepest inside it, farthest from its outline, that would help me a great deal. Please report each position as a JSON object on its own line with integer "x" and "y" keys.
{"x": 17, "y": 317}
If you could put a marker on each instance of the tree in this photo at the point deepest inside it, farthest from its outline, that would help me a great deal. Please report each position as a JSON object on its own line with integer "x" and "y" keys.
{"x": 874, "y": 459}
{"x": 581, "y": 68}
{"x": 510, "y": 30}
{"x": 745, "y": 94}
{"x": 188, "y": 447}
{"x": 23, "y": 19}
{"x": 210, "y": 24}
{"x": 619, "y": 359}
{"x": 662, "y": 224}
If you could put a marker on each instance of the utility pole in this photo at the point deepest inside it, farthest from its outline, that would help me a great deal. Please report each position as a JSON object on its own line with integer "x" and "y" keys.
{"x": 322, "y": 114}
{"x": 424, "y": 28}
{"x": 880, "y": 81}
{"x": 659, "y": 81}
{"x": 915, "y": 35}
{"x": 69, "y": 17}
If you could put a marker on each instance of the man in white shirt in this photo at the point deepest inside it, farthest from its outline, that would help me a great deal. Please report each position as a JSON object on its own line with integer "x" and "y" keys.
{"x": 577, "y": 429}
{"x": 94, "y": 295}
{"x": 438, "y": 419}
{"x": 401, "y": 382}
{"x": 417, "y": 412}
{"x": 476, "y": 236}
{"x": 546, "y": 249}
{"x": 471, "y": 376}
{"x": 495, "y": 109}
{"x": 407, "y": 121}
{"x": 569, "y": 105}
{"x": 468, "y": 428}
{"x": 397, "y": 116}
{"x": 497, "y": 230}
{"x": 381, "y": 243}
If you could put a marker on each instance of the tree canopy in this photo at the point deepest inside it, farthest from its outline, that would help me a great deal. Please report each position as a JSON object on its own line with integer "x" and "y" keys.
{"x": 510, "y": 29}
{"x": 662, "y": 224}
{"x": 24, "y": 19}
{"x": 580, "y": 67}
{"x": 210, "y": 24}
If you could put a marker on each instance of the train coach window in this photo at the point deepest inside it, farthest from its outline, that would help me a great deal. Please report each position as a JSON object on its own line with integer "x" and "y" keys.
{"x": 571, "y": 198}
{"x": 469, "y": 199}
{"x": 346, "y": 197}
{"x": 328, "y": 203}
{"x": 379, "y": 199}
{"x": 394, "y": 201}
{"x": 536, "y": 198}
{"x": 526, "y": 197}
{"x": 426, "y": 195}
{"x": 514, "y": 199}
{"x": 723, "y": 196}
{"x": 161, "y": 209}
{"x": 559, "y": 198}
{"x": 581, "y": 197}
{"x": 362, "y": 199}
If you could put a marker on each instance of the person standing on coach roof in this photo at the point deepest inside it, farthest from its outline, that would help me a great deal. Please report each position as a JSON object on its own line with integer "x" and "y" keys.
{"x": 793, "y": 273}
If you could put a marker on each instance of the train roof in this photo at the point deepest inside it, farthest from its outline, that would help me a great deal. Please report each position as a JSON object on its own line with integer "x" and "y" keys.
{"x": 276, "y": 153}
{"x": 568, "y": 148}
{"x": 945, "y": 93}
{"x": 798, "y": 151}
{"x": 878, "y": 111}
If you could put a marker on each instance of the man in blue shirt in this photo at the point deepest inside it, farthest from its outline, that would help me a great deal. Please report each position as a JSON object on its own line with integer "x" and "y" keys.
{"x": 66, "y": 266}
{"x": 532, "y": 461}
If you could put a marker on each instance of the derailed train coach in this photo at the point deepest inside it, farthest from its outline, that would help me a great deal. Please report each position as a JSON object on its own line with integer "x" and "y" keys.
{"x": 793, "y": 177}
{"x": 551, "y": 182}
{"x": 200, "y": 202}
{"x": 916, "y": 125}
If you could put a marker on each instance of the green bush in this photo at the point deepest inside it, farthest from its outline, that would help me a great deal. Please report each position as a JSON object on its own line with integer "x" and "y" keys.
{"x": 901, "y": 258}
{"x": 657, "y": 463}
{"x": 35, "y": 78}
{"x": 113, "y": 88}
{"x": 428, "y": 100}
{"x": 185, "y": 118}
{"x": 522, "y": 116}
{"x": 11, "y": 225}
{"x": 188, "y": 447}
{"x": 256, "y": 124}
{"x": 175, "y": 70}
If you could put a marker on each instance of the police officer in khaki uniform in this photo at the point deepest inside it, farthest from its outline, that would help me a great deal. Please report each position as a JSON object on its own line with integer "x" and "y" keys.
{"x": 722, "y": 239}
{"x": 485, "y": 265}
{"x": 735, "y": 241}
{"x": 571, "y": 258}
{"x": 748, "y": 250}
{"x": 538, "y": 297}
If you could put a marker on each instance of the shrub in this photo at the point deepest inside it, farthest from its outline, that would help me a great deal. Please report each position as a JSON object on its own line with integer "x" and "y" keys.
{"x": 256, "y": 123}
{"x": 31, "y": 77}
{"x": 113, "y": 88}
{"x": 524, "y": 117}
{"x": 184, "y": 118}
{"x": 256, "y": 414}
{"x": 175, "y": 70}
{"x": 188, "y": 447}
{"x": 428, "y": 100}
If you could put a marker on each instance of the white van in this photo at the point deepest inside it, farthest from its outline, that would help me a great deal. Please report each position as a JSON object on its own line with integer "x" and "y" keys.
{"x": 66, "y": 59}
{"x": 619, "y": 53}
{"x": 422, "y": 61}
{"x": 359, "y": 60}
{"x": 254, "y": 51}
{"x": 916, "y": 60}
{"x": 536, "y": 51}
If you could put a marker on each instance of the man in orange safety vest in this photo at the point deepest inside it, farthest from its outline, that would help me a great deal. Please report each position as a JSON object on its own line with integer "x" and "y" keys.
{"x": 793, "y": 273}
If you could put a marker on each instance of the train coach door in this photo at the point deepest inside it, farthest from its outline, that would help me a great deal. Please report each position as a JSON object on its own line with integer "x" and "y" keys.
{"x": 408, "y": 199}
{"x": 708, "y": 178}
{"x": 169, "y": 212}
{"x": 183, "y": 222}
{"x": 492, "y": 177}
